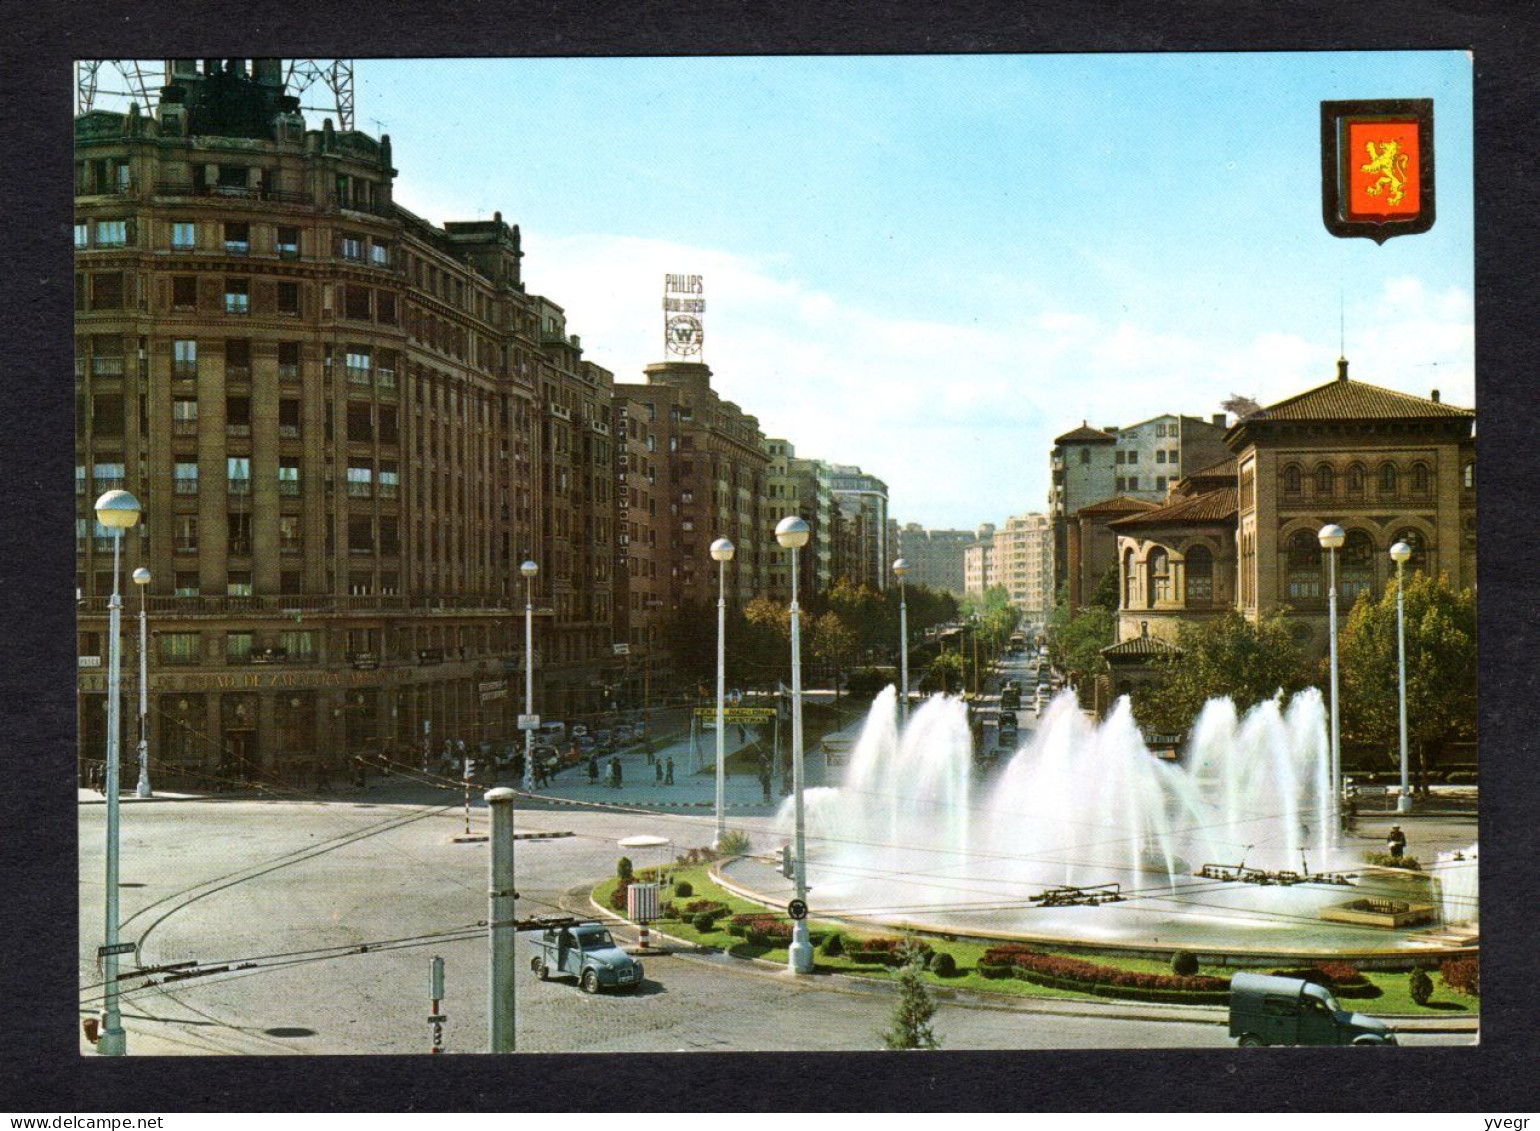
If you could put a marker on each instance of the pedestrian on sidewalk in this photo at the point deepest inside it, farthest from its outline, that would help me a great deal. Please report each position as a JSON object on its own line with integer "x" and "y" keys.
{"x": 323, "y": 776}
{"x": 668, "y": 771}
{"x": 1395, "y": 842}
{"x": 764, "y": 779}
{"x": 657, "y": 771}
{"x": 360, "y": 772}
{"x": 615, "y": 762}
{"x": 593, "y": 770}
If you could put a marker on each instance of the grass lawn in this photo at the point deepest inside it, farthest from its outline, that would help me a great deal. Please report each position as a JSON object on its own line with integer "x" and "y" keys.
{"x": 1395, "y": 996}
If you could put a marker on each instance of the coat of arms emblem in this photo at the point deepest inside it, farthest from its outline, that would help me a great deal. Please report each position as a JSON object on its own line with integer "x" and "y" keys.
{"x": 1377, "y": 167}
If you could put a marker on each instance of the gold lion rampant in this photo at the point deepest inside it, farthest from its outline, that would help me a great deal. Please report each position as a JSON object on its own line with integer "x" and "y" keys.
{"x": 1391, "y": 162}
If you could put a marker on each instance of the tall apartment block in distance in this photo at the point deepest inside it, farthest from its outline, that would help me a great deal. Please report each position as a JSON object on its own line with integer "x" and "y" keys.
{"x": 936, "y": 557}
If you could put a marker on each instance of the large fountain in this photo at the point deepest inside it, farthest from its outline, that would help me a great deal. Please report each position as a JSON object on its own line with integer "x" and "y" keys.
{"x": 1087, "y": 836}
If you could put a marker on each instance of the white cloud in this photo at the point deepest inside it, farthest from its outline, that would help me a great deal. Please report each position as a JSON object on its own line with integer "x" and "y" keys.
{"x": 958, "y": 417}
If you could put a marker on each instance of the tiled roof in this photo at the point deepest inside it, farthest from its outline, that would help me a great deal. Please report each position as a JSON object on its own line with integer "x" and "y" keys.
{"x": 1354, "y": 400}
{"x": 1085, "y": 434}
{"x": 1118, "y": 504}
{"x": 1209, "y": 507}
{"x": 1225, "y": 467}
{"x": 1141, "y": 646}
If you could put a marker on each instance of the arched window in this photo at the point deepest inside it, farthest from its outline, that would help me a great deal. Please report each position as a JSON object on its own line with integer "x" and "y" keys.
{"x": 1159, "y": 566}
{"x": 1130, "y": 581}
{"x": 1199, "y": 584}
{"x": 1291, "y": 480}
{"x": 1419, "y": 545}
{"x": 1355, "y": 567}
{"x": 1325, "y": 481}
{"x": 1303, "y": 565}
{"x": 1470, "y": 476}
{"x": 1355, "y": 479}
{"x": 1420, "y": 479}
{"x": 1388, "y": 479}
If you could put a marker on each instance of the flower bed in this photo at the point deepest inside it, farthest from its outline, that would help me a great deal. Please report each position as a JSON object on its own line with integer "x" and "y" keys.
{"x": 1059, "y": 972}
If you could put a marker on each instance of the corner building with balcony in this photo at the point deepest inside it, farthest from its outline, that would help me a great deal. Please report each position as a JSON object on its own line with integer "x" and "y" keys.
{"x": 346, "y": 427}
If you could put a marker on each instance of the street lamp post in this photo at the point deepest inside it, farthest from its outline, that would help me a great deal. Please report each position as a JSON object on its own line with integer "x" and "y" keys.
{"x": 1399, "y": 553}
{"x": 116, "y": 510}
{"x": 529, "y": 569}
{"x": 901, "y": 567}
{"x": 142, "y": 579}
{"x": 722, "y": 553}
{"x": 792, "y": 533}
{"x": 1331, "y": 537}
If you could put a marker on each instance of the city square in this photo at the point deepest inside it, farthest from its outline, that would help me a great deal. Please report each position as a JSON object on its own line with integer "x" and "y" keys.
{"x": 417, "y": 633}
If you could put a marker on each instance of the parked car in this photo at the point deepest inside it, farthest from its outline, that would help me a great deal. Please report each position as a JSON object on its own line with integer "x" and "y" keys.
{"x": 586, "y": 745}
{"x": 623, "y": 734}
{"x": 1267, "y": 1010}
{"x": 588, "y": 953}
{"x": 552, "y": 732}
{"x": 605, "y": 739}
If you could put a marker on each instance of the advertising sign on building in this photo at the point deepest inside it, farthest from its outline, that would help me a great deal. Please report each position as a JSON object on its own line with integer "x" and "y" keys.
{"x": 684, "y": 301}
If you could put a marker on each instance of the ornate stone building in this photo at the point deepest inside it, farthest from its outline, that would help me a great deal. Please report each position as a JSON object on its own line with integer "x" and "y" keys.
{"x": 346, "y": 427}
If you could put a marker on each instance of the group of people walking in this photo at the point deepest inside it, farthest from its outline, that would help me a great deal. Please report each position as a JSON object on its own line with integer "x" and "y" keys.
{"x": 663, "y": 770}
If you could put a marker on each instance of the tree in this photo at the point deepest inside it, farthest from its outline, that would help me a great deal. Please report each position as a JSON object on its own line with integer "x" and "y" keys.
{"x": 1075, "y": 646}
{"x": 1106, "y": 595}
{"x": 1440, "y": 667}
{"x": 946, "y": 671}
{"x": 912, "y": 1013}
{"x": 832, "y": 643}
{"x": 1228, "y": 656}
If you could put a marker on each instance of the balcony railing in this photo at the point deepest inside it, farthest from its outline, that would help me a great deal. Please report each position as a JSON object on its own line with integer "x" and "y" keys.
{"x": 186, "y": 486}
{"x": 288, "y": 372}
{"x": 106, "y": 367}
{"x": 239, "y": 486}
{"x": 288, "y": 431}
{"x": 288, "y": 606}
{"x": 239, "y": 192}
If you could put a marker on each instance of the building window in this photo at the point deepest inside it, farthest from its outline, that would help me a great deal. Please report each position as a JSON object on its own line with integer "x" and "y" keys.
{"x": 1470, "y": 476}
{"x": 111, "y": 233}
{"x": 238, "y": 583}
{"x": 1158, "y": 563}
{"x": 1420, "y": 479}
{"x": 1130, "y": 581}
{"x": 238, "y": 525}
{"x": 1356, "y": 568}
{"x": 1122, "y": 484}
{"x": 238, "y": 474}
{"x": 360, "y": 423}
{"x": 286, "y": 243}
{"x": 107, "y": 414}
{"x": 355, "y": 303}
{"x": 184, "y": 235}
{"x": 351, "y": 247}
{"x": 358, "y": 364}
{"x": 1160, "y": 429}
{"x": 288, "y": 299}
{"x": 186, "y": 583}
{"x": 82, "y": 237}
{"x": 360, "y": 536}
{"x": 1355, "y": 479}
{"x": 184, "y": 292}
{"x": 1133, "y": 482}
{"x": 288, "y": 477}
{"x": 290, "y": 538}
{"x": 1389, "y": 479}
{"x": 288, "y": 361}
{"x": 1133, "y": 456}
{"x": 107, "y": 291}
{"x": 1198, "y": 585}
{"x": 238, "y": 416}
{"x": 1120, "y": 457}
{"x": 184, "y": 417}
{"x": 237, "y": 296}
{"x": 299, "y": 646}
{"x": 390, "y": 481}
{"x": 1160, "y": 483}
{"x": 179, "y": 647}
{"x": 1160, "y": 454}
{"x": 288, "y": 419}
{"x": 108, "y": 476}
{"x": 1419, "y": 547}
{"x": 237, "y": 238}
{"x": 186, "y": 534}
{"x": 185, "y": 476}
{"x": 237, "y": 644}
{"x": 184, "y": 358}
{"x": 379, "y": 254}
{"x": 360, "y": 482}
{"x": 1303, "y": 566}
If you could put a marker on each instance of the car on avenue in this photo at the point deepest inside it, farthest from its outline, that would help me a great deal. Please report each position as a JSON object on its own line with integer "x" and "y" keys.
{"x": 1269, "y": 1010}
{"x": 588, "y": 953}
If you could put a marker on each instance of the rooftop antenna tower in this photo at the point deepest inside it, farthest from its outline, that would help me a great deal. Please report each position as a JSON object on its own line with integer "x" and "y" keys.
{"x": 110, "y": 84}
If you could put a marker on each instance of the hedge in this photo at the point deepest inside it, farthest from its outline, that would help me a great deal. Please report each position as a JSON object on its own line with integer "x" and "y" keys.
{"x": 883, "y": 951}
{"x": 1058, "y": 972}
{"x": 1341, "y": 978}
{"x": 1462, "y": 975}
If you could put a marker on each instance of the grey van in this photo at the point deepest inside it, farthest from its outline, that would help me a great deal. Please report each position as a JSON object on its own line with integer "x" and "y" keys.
{"x": 1268, "y": 1010}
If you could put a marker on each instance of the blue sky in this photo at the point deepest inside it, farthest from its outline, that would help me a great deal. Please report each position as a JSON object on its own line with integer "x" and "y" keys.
{"x": 931, "y": 266}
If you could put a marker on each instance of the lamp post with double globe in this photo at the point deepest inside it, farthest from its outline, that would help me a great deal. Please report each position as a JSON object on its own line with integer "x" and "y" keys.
{"x": 1400, "y": 553}
{"x": 117, "y": 511}
{"x": 529, "y": 569}
{"x": 142, "y": 579}
{"x": 792, "y": 532}
{"x": 721, "y": 553}
{"x": 1332, "y": 537}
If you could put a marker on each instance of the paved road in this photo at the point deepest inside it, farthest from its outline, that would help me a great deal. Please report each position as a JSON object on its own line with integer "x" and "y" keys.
{"x": 240, "y": 880}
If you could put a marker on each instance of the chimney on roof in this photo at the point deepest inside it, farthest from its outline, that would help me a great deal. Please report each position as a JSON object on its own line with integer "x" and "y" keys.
{"x": 1435, "y": 396}
{"x": 1219, "y": 419}
{"x": 1342, "y": 369}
